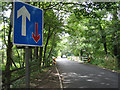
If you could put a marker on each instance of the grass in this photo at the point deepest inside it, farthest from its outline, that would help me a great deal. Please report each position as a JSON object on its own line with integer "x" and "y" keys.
{"x": 21, "y": 82}
{"x": 103, "y": 61}
{"x": 106, "y": 62}
{"x": 17, "y": 83}
{"x": 34, "y": 71}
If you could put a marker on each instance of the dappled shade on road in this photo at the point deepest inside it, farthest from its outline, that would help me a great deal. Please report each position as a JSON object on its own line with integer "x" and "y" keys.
{"x": 78, "y": 75}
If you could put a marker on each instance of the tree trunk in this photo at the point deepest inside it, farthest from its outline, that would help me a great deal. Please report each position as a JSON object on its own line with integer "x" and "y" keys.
{"x": 41, "y": 49}
{"x": 13, "y": 63}
{"x": 30, "y": 54}
{"x": 51, "y": 49}
{"x": 36, "y": 52}
{"x": 103, "y": 38}
{"x": 104, "y": 44}
{"x": 23, "y": 57}
{"x": 9, "y": 58}
{"x": 116, "y": 38}
{"x": 49, "y": 55}
{"x": 3, "y": 57}
{"x": 44, "y": 58}
{"x": 2, "y": 51}
{"x": 81, "y": 53}
{"x": 18, "y": 56}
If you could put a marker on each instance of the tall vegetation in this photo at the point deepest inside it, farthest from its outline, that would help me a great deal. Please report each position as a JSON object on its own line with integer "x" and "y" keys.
{"x": 93, "y": 30}
{"x": 14, "y": 57}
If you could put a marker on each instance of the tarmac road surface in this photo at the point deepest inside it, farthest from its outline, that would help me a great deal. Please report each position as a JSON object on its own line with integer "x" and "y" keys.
{"x": 79, "y": 75}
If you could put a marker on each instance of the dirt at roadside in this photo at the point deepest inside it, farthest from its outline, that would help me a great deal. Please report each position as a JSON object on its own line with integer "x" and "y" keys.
{"x": 46, "y": 79}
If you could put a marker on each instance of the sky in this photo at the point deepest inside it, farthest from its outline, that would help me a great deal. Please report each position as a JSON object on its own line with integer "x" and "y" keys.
{"x": 7, "y": 13}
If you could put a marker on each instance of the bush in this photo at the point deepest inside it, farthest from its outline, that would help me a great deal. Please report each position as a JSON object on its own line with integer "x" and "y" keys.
{"x": 105, "y": 61}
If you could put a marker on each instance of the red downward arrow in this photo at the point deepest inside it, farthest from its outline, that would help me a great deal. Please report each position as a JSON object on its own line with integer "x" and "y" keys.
{"x": 35, "y": 37}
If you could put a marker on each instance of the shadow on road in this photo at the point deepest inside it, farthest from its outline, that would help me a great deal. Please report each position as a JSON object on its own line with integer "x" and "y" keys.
{"x": 78, "y": 75}
{"x": 84, "y": 80}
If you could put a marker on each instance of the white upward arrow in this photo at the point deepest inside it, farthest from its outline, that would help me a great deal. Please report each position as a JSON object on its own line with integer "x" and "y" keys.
{"x": 24, "y": 13}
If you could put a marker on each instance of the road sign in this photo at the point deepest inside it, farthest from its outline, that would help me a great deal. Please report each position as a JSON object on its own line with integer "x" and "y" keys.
{"x": 28, "y": 25}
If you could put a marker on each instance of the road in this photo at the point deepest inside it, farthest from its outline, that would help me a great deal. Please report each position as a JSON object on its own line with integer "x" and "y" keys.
{"x": 79, "y": 75}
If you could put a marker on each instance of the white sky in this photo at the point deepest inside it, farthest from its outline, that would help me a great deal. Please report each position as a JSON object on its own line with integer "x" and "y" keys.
{"x": 7, "y": 13}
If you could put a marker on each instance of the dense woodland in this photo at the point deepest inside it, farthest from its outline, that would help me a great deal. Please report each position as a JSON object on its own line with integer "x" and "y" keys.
{"x": 93, "y": 29}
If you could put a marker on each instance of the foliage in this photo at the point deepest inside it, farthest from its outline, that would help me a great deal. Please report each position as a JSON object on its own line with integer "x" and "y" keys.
{"x": 92, "y": 29}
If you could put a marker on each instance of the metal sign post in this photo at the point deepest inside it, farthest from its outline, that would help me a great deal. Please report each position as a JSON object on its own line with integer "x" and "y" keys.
{"x": 27, "y": 72}
{"x": 27, "y": 30}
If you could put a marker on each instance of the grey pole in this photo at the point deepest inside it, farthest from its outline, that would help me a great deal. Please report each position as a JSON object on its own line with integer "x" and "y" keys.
{"x": 27, "y": 74}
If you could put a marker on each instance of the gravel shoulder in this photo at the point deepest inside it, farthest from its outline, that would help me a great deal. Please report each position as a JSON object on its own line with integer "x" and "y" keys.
{"x": 47, "y": 79}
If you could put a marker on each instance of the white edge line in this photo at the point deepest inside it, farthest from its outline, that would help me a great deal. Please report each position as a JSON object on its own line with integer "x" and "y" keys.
{"x": 61, "y": 86}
